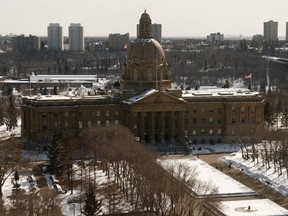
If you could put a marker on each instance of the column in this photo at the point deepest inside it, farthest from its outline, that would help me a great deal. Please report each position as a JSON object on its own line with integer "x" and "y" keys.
{"x": 162, "y": 127}
{"x": 153, "y": 127}
{"x": 142, "y": 127}
{"x": 172, "y": 122}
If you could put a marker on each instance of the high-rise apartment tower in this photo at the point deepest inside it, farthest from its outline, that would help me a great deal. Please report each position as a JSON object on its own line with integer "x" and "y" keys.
{"x": 76, "y": 38}
{"x": 55, "y": 37}
{"x": 270, "y": 31}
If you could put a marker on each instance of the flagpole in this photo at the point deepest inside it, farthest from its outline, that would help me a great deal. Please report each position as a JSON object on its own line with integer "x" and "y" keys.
{"x": 251, "y": 81}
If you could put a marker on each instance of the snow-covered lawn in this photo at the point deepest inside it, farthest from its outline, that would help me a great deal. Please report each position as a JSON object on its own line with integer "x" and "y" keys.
{"x": 257, "y": 171}
{"x": 226, "y": 185}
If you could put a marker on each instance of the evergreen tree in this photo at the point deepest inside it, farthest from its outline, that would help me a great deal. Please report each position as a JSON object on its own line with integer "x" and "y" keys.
{"x": 226, "y": 85}
{"x": 92, "y": 206}
{"x": 269, "y": 115}
{"x": 54, "y": 152}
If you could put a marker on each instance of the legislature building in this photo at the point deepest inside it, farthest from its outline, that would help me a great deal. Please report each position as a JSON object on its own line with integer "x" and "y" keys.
{"x": 146, "y": 103}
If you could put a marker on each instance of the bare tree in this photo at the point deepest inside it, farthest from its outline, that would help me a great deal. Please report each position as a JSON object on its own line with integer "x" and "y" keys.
{"x": 10, "y": 159}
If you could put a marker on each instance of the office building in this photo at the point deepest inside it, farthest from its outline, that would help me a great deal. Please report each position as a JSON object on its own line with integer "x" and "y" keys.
{"x": 55, "y": 37}
{"x": 76, "y": 38}
{"x": 270, "y": 31}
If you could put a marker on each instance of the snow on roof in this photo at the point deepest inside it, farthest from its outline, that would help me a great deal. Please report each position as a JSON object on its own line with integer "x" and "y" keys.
{"x": 214, "y": 91}
{"x": 63, "y": 97}
{"x": 139, "y": 96}
{"x": 227, "y": 186}
{"x": 257, "y": 207}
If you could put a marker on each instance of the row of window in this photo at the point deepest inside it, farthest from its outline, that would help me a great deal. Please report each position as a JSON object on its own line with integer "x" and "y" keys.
{"x": 203, "y": 141}
{"x": 220, "y": 110}
{"x": 88, "y": 114}
{"x": 203, "y": 132}
{"x": 98, "y": 123}
{"x": 66, "y": 126}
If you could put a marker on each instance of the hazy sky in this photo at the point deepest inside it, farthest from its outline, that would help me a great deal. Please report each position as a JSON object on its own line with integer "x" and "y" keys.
{"x": 188, "y": 18}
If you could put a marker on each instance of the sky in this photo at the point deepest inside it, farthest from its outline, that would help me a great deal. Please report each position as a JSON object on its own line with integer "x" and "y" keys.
{"x": 182, "y": 18}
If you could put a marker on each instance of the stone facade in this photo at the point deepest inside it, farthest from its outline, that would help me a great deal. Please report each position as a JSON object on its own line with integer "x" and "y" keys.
{"x": 148, "y": 105}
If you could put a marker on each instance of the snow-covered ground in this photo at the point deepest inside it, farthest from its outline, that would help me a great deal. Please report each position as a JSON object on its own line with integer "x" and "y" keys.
{"x": 258, "y": 207}
{"x": 4, "y": 133}
{"x": 226, "y": 185}
{"x": 257, "y": 171}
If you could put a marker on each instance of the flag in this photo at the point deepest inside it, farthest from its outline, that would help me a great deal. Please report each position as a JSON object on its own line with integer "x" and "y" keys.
{"x": 249, "y": 76}
{"x": 126, "y": 46}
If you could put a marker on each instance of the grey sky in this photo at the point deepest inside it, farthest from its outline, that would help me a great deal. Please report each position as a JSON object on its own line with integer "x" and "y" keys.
{"x": 188, "y": 18}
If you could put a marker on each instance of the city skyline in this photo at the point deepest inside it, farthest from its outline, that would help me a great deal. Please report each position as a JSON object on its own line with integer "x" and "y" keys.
{"x": 179, "y": 19}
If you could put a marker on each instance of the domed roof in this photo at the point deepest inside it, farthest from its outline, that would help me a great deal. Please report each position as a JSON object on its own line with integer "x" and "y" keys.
{"x": 146, "y": 65}
{"x": 146, "y": 49}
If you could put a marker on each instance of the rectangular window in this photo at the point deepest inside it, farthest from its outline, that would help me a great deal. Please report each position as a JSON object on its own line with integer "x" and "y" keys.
{"x": 135, "y": 126}
{"x": 211, "y": 119}
{"x": 66, "y": 125}
{"x": 80, "y": 114}
{"x": 116, "y": 122}
{"x": 44, "y": 115}
{"x": 135, "y": 75}
{"x": 219, "y": 131}
{"x": 55, "y": 125}
{"x": 107, "y": 113}
{"x": 186, "y": 122}
{"x": 149, "y": 75}
{"x": 116, "y": 113}
{"x": 66, "y": 114}
{"x": 98, "y": 113}
{"x": 202, "y": 121}
{"x": 211, "y": 131}
{"x": 89, "y": 123}
{"x": 202, "y": 132}
{"x": 220, "y": 121}
{"x": 107, "y": 122}
{"x": 98, "y": 122}
{"x": 80, "y": 124}
{"x": 194, "y": 132}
